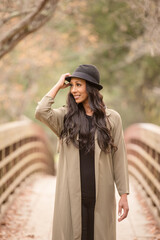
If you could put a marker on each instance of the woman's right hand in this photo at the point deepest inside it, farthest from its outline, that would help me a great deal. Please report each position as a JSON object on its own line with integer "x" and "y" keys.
{"x": 59, "y": 85}
{"x": 61, "y": 82}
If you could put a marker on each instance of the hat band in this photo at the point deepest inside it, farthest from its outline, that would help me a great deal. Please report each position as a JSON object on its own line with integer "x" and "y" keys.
{"x": 85, "y": 76}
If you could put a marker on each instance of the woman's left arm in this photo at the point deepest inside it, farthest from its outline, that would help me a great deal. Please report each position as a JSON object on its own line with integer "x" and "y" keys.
{"x": 120, "y": 167}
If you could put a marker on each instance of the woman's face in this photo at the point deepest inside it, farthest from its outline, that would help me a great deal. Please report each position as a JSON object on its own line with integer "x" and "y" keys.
{"x": 78, "y": 90}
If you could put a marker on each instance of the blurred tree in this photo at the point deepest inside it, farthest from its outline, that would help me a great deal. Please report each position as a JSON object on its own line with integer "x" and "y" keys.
{"x": 149, "y": 13}
{"x": 129, "y": 70}
{"x": 107, "y": 33}
{"x": 20, "y": 18}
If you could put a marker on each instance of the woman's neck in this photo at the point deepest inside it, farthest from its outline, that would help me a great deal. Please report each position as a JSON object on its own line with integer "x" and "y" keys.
{"x": 87, "y": 108}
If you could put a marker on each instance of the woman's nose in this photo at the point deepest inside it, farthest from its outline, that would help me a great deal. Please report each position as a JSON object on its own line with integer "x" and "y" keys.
{"x": 73, "y": 89}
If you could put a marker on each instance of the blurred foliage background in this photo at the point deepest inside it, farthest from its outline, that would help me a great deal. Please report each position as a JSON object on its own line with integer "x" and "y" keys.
{"x": 120, "y": 37}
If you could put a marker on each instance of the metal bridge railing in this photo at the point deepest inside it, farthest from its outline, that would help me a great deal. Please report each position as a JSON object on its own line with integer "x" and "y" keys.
{"x": 24, "y": 150}
{"x": 143, "y": 151}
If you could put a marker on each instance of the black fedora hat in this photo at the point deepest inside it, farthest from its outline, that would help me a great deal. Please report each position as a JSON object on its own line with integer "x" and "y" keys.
{"x": 87, "y": 72}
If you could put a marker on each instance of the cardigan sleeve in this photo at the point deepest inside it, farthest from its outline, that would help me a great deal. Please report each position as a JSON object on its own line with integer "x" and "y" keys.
{"x": 120, "y": 163}
{"x": 53, "y": 118}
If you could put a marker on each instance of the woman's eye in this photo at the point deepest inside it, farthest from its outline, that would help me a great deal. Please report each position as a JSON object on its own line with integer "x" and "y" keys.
{"x": 78, "y": 84}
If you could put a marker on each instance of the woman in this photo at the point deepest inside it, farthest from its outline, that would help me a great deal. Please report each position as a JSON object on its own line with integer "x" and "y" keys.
{"x": 92, "y": 157}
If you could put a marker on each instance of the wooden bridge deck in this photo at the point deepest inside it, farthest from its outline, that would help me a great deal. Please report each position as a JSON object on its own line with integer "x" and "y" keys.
{"x": 31, "y": 211}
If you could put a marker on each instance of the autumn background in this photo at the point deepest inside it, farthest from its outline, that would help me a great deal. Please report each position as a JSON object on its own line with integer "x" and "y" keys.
{"x": 120, "y": 37}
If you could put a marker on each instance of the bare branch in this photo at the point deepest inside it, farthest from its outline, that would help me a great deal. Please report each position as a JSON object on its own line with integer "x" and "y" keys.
{"x": 29, "y": 24}
{"x": 14, "y": 15}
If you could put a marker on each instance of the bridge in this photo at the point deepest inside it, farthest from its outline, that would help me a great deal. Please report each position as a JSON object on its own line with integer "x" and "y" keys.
{"x": 28, "y": 177}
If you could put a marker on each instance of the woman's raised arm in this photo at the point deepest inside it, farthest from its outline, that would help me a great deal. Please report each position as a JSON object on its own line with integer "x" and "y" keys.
{"x": 53, "y": 118}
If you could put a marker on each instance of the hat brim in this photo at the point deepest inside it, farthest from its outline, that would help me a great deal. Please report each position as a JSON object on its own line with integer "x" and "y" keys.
{"x": 84, "y": 77}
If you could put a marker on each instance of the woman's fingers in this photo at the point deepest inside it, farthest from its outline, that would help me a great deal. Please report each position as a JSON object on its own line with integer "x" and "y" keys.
{"x": 120, "y": 210}
{"x": 61, "y": 82}
{"x": 124, "y": 215}
{"x": 66, "y": 85}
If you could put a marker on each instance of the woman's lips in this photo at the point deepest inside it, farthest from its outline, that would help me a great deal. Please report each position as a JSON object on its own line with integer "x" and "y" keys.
{"x": 76, "y": 97}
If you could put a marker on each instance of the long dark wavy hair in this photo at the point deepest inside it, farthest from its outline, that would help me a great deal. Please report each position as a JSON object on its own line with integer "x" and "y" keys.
{"x": 75, "y": 121}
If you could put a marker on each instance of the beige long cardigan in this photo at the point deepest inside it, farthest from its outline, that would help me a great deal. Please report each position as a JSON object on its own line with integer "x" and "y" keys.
{"x": 109, "y": 169}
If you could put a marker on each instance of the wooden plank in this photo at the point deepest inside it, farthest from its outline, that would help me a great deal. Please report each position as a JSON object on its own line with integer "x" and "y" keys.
{"x": 40, "y": 166}
{"x": 144, "y": 169}
{"x": 144, "y": 154}
{"x": 21, "y": 164}
{"x": 134, "y": 172}
{"x": 23, "y": 148}
{"x": 147, "y": 133}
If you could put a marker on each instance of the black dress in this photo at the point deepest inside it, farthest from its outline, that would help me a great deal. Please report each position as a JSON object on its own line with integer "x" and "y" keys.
{"x": 87, "y": 173}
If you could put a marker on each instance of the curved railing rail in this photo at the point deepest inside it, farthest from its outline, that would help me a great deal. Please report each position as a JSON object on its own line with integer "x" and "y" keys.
{"x": 143, "y": 151}
{"x": 24, "y": 150}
